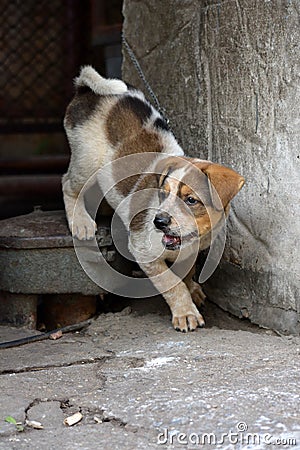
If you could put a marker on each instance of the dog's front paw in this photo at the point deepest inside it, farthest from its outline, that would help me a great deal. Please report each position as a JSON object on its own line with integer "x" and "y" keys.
{"x": 84, "y": 228}
{"x": 187, "y": 320}
{"x": 197, "y": 294}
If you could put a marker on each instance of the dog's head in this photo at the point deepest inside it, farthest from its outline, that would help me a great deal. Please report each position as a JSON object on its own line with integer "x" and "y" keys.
{"x": 194, "y": 196}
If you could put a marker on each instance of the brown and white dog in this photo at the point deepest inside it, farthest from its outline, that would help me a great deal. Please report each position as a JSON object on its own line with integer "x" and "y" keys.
{"x": 174, "y": 202}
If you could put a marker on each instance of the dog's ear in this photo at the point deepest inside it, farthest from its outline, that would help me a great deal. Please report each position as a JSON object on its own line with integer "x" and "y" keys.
{"x": 226, "y": 183}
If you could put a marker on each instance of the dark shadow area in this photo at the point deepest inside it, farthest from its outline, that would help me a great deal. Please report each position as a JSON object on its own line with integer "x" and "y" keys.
{"x": 213, "y": 315}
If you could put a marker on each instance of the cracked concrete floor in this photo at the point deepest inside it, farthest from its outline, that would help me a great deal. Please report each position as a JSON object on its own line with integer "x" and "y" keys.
{"x": 139, "y": 385}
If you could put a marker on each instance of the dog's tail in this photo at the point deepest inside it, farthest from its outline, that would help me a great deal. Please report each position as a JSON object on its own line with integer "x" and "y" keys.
{"x": 102, "y": 86}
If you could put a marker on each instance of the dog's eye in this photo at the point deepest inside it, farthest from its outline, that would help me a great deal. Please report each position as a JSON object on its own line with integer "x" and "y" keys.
{"x": 191, "y": 201}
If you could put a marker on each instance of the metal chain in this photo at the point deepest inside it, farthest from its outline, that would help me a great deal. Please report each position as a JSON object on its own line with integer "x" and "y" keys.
{"x": 143, "y": 78}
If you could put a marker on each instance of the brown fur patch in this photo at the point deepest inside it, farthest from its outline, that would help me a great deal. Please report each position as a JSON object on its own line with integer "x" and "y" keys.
{"x": 125, "y": 120}
{"x": 125, "y": 131}
{"x": 143, "y": 142}
{"x": 121, "y": 125}
{"x": 82, "y": 107}
{"x": 204, "y": 222}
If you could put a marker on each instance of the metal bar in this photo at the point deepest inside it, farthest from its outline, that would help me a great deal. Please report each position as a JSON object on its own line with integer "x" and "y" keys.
{"x": 46, "y": 164}
{"x": 29, "y": 184}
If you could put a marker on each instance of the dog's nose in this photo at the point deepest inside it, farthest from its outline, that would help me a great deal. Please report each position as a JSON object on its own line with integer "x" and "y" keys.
{"x": 162, "y": 220}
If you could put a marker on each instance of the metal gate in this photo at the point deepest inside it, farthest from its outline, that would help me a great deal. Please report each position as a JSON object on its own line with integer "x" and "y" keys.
{"x": 42, "y": 44}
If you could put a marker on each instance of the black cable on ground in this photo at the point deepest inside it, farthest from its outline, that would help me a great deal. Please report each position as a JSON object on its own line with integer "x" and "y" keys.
{"x": 42, "y": 336}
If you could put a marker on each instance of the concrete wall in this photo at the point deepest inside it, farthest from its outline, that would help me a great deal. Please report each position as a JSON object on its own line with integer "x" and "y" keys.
{"x": 227, "y": 72}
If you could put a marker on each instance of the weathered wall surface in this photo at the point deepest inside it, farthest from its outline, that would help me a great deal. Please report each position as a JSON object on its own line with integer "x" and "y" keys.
{"x": 227, "y": 72}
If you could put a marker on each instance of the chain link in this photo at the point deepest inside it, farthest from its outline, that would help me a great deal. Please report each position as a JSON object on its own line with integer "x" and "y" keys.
{"x": 143, "y": 78}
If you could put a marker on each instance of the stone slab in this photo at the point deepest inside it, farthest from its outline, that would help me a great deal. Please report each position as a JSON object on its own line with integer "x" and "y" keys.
{"x": 37, "y": 255}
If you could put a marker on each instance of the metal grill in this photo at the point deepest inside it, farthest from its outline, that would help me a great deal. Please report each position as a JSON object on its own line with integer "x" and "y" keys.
{"x": 42, "y": 45}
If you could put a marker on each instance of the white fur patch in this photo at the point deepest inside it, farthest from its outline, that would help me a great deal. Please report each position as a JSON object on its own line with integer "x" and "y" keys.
{"x": 178, "y": 174}
{"x": 102, "y": 86}
{"x": 170, "y": 144}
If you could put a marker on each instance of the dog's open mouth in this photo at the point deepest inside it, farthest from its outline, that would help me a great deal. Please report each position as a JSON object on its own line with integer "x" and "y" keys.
{"x": 174, "y": 241}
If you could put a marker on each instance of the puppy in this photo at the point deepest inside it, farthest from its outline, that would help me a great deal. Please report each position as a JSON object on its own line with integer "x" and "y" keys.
{"x": 171, "y": 205}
